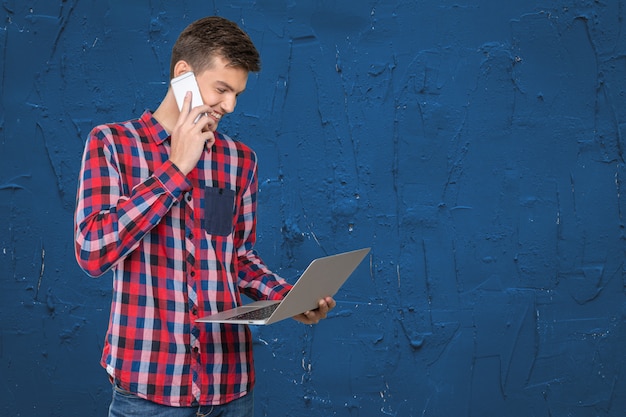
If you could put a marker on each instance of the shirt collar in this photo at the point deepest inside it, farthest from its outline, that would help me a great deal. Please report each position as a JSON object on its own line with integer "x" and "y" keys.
{"x": 157, "y": 132}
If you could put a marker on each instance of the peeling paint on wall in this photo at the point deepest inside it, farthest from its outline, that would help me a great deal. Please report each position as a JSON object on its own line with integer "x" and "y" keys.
{"x": 477, "y": 146}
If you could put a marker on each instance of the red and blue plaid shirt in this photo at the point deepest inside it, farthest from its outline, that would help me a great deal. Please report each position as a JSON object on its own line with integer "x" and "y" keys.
{"x": 180, "y": 247}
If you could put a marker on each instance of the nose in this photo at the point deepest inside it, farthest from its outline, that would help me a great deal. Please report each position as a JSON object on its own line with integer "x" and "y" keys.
{"x": 229, "y": 103}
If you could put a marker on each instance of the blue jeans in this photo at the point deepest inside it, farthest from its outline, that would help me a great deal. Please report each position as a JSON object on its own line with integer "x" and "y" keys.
{"x": 126, "y": 404}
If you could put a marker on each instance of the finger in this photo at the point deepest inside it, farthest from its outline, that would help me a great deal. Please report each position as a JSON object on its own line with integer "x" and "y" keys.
{"x": 184, "y": 111}
{"x": 317, "y": 314}
{"x": 203, "y": 119}
{"x": 199, "y": 110}
{"x": 187, "y": 102}
{"x": 200, "y": 115}
{"x": 311, "y": 317}
{"x": 323, "y": 305}
{"x": 207, "y": 128}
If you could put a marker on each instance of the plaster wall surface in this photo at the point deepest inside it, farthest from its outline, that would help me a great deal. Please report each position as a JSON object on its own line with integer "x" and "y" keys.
{"x": 476, "y": 145}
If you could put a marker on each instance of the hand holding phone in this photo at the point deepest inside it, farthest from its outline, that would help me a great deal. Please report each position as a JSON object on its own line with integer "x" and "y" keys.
{"x": 189, "y": 137}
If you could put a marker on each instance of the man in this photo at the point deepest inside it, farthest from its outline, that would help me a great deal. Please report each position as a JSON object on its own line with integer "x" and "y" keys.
{"x": 168, "y": 204}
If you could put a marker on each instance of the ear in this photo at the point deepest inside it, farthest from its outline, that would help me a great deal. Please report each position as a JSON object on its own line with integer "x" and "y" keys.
{"x": 181, "y": 67}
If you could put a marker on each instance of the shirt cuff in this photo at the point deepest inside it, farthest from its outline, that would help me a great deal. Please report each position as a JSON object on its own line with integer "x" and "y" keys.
{"x": 173, "y": 180}
{"x": 280, "y": 291}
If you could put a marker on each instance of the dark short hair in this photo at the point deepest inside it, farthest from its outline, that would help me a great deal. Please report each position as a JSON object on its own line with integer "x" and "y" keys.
{"x": 213, "y": 36}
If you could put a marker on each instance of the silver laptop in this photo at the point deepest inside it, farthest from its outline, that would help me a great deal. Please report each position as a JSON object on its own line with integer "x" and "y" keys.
{"x": 322, "y": 278}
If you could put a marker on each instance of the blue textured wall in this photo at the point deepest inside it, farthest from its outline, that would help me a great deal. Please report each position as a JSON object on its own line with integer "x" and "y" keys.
{"x": 476, "y": 145}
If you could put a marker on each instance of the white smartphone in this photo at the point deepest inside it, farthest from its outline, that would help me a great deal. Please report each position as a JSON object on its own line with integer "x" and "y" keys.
{"x": 182, "y": 84}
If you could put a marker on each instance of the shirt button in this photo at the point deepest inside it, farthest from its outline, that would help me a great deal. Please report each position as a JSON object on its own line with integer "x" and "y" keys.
{"x": 195, "y": 350}
{"x": 188, "y": 197}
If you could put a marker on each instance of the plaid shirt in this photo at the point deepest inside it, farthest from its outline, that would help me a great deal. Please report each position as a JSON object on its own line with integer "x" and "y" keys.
{"x": 180, "y": 247}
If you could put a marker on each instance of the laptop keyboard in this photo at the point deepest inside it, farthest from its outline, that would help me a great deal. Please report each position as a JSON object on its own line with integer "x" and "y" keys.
{"x": 258, "y": 314}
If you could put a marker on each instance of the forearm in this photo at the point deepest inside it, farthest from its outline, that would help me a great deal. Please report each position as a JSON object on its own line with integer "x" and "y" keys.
{"x": 110, "y": 225}
{"x": 255, "y": 278}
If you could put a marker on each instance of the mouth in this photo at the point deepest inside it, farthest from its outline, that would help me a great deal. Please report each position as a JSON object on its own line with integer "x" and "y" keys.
{"x": 215, "y": 115}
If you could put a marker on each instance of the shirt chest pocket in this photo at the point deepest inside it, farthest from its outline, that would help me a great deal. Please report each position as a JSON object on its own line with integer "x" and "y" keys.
{"x": 219, "y": 210}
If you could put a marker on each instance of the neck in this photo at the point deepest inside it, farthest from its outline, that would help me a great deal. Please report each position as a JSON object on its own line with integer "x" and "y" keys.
{"x": 167, "y": 112}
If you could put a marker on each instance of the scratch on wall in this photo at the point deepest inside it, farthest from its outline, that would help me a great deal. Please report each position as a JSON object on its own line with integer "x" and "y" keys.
{"x": 63, "y": 20}
{"x": 55, "y": 162}
{"x": 41, "y": 270}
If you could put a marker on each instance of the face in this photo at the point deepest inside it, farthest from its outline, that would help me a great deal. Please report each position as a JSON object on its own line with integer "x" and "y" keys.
{"x": 220, "y": 86}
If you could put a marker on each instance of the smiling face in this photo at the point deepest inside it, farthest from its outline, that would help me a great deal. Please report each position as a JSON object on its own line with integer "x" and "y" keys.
{"x": 221, "y": 54}
{"x": 220, "y": 85}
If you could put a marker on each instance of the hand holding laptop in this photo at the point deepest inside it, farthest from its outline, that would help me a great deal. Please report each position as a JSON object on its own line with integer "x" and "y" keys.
{"x": 308, "y": 301}
{"x": 314, "y": 316}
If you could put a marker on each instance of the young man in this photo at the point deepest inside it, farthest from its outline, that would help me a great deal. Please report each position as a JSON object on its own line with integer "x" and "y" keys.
{"x": 168, "y": 204}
